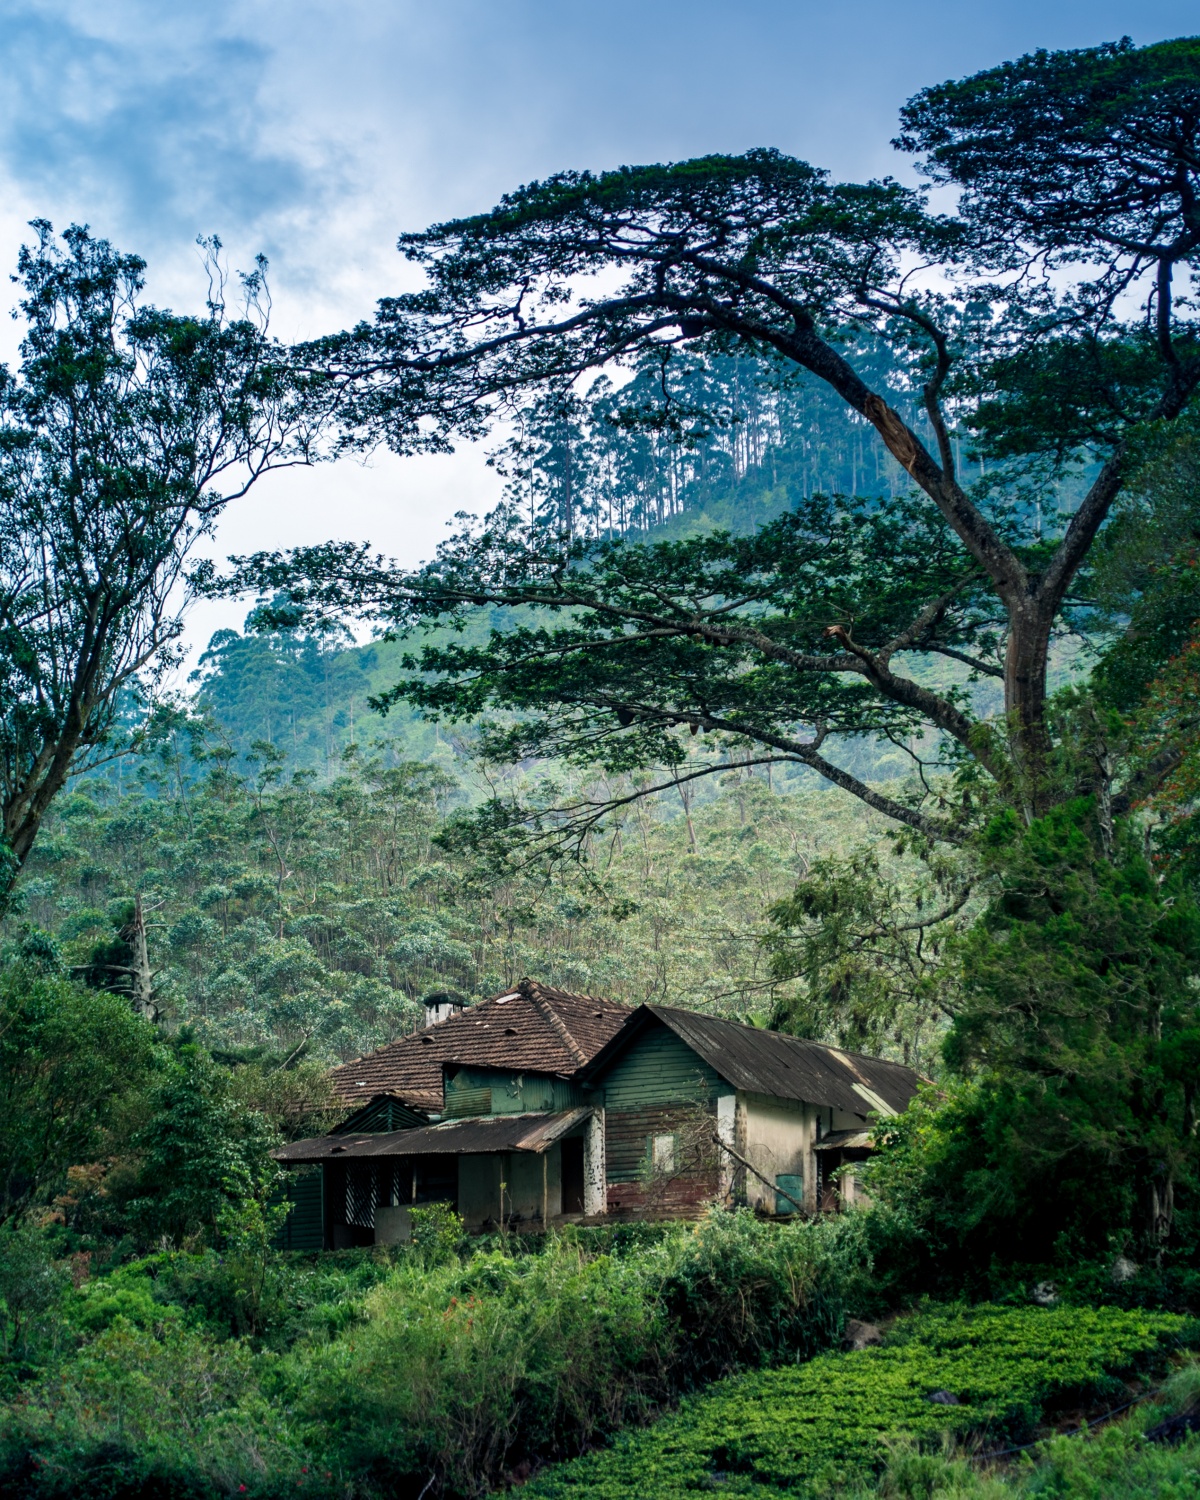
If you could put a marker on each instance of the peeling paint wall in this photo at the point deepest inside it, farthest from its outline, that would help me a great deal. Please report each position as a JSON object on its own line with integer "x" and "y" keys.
{"x": 636, "y": 1184}
{"x": 776, "y": 1137}
{"x": 595, "y": 1174}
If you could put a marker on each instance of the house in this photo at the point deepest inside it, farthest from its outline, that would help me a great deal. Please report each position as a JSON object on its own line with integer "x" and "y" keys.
{"x": 699, "y": 1109}
{"x": 537, "y": 1106}
{"x": 483, "y": 1096}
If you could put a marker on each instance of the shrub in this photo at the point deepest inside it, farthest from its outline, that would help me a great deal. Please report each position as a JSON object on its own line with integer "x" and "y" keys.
{"x": 465, "y": 1370}
{"x": 70, "y": 1059}
{"x": 806, "y": 1429}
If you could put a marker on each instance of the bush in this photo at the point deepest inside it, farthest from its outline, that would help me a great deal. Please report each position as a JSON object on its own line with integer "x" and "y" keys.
{"x": 380, "y": 1371}
{"x": 204, "y": 1155}
{"x": 467, "y": 1371}
{"x": 807, "y": 1429}
{"x": 31, "y": 1286}
{"x": 70, "y": 1061}
{"x": 1110, "y": 1463}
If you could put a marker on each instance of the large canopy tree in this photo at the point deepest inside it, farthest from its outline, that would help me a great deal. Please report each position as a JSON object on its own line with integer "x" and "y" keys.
{"x": 124, "y": 432}
{"x": 1048, "y": 315}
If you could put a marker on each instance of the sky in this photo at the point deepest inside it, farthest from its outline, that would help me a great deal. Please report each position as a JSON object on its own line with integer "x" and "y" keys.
{"x": 315, "y": 132}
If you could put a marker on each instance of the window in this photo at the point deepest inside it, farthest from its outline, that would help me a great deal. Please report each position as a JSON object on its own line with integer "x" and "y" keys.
{"x": 662, "y": 1153}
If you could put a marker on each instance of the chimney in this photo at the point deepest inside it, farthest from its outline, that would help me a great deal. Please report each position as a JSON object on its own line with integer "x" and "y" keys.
{"x": 440, "y": 1006}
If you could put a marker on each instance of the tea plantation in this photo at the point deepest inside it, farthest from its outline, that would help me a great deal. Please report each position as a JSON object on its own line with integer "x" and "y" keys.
{"x": 806, "y": 1429}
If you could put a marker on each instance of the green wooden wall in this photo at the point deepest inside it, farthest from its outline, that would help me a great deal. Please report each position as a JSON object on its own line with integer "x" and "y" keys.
{"x": 380, "y": 1115}
{"x": 304, "y": 1227}
{"x": 493, "y": 1091}
{"x": 658, "y": 1068}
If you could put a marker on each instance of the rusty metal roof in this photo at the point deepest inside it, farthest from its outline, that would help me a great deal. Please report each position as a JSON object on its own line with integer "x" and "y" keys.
{"x": 846, "y": 1140}
{"x": 482, "y": 1137}
{"x": 783, "y": 1067}
{"x": 530, "y": 1028}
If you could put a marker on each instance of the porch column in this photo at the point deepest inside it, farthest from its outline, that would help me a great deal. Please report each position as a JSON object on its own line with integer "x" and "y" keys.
{"x": 595, "y": 1175}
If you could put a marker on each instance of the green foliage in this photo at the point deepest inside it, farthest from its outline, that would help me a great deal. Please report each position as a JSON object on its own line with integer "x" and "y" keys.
{"x": 204, "y": 1162}
{"x": 324, "y": 955}
{"x": 869, "y": 935}
{"x": 437, "y": 1232}
{"x": 72, "y": 1061}
{"x": 806, "y": 1429}
{"x": 30, "y": 1285}
{"x": 466, "y": 1371}
{"x": 124, "y": 432}
{"x": 1145, "y": 577}
{"x": 373, "y": 1373}
{"x": 1112, "y": 1463}
{"x": 1069, "y": 1130}
{"x": 814, "y": 624}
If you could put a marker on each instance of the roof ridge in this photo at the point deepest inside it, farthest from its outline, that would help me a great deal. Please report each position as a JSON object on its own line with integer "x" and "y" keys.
{"x": 531, "y": 990}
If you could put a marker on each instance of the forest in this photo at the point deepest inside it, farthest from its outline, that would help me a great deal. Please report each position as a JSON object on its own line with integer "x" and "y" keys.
{"x": 829, "y": 664}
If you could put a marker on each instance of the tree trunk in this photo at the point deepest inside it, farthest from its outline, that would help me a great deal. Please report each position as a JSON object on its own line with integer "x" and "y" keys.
{"x": 1025, "y": 665}
{"x": 142, "y": 986}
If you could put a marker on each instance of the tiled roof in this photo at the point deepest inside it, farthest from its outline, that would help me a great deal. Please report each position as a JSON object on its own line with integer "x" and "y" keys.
{"x": 784, "y": 1067}
{"x": 531, "y": 1027}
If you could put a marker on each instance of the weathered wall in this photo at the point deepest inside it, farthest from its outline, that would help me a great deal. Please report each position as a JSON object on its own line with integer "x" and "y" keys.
{"x": 479, "y": 1179}
{"x": 595, "y": 1171}
{"x": 658, "y": 1087}
{"x": 524, "y": 1194}
{"x": 775, "y": 1136}
{"x": 393, "y": 1224}
{"x": 629, "y": 1143}
{"x": 658, "y": 1068}
{"x": 493, "y": 1091}
{"x": 479, "y": 1185}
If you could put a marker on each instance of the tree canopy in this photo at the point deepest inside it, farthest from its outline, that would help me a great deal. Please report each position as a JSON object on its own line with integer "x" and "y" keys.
{"x": 1046, "y": 320}
{"x": 124, "y": 432}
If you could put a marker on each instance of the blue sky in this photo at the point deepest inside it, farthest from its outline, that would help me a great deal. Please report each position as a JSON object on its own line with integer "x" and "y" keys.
{"x": 316, "y": 131}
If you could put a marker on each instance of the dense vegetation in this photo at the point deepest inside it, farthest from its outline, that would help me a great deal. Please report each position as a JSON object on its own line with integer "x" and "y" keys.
{"x": 814, "y": 1427}
{"x": 363, "y": 1372}
{"x": 367, "y": 1376}
{"x": 286, "y": 909}
{"x": 707, "y": 594}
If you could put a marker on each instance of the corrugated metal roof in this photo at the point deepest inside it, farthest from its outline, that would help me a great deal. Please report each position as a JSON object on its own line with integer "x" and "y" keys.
{"x": 479, "y": 1137}
{"x": 533, "y": 1028}
{"x": 783, "y": 1067}
{"x": 846, "y": 1140}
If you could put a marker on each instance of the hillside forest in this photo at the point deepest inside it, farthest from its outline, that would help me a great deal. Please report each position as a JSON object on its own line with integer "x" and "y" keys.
{"x": 828, "y": 664}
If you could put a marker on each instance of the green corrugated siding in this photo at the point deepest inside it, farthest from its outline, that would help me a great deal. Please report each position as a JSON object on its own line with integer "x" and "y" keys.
{"x": 304, "y": 1228}
{"x": 510, "y": 1093}
{"x": 462, "y": 1102}
{"x": 658, "y": 1068}
{"x": 568, "y": 1095}
{"x": 381, "y": 1115}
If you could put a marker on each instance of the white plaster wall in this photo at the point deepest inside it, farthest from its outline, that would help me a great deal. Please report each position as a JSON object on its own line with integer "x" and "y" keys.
{"x": 775, "y": 1136}
{"x": 727, "y": 1132}
{"x": 595, "y": 1175}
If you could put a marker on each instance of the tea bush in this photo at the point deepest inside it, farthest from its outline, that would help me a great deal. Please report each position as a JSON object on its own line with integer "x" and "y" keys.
{"x": 807, "y": 1429}
{"x": 1112, "y": 1462}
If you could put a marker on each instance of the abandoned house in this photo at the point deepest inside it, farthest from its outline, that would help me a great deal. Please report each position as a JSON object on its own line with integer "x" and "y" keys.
{"x": 537, "y": 1107}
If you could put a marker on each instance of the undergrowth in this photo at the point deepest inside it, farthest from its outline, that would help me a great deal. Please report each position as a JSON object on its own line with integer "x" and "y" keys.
{"x": 429, "y": 1369}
